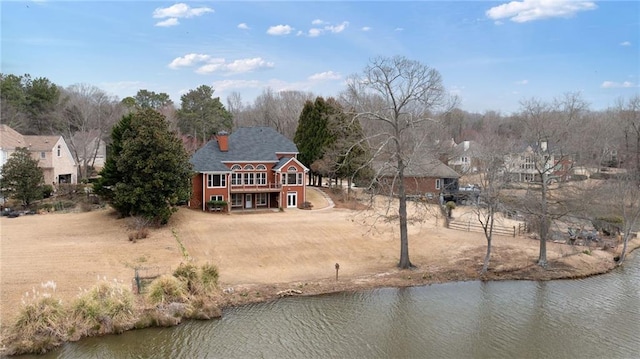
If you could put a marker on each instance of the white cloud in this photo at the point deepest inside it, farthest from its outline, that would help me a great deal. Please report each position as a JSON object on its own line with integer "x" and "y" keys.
{"x": 223, "y": 85}
{"x": 243, "y": 26}
{"x": 189, "y": 60}
{"x": 625, "y": 43}
{"x": 398, "y": 29}
{"x": 247, "y": 65}
{"x": 317, "y": 22}
{"x": 206, "y": 64}
{"x": 279, "y": 30}
{"x": 365, "y": 28}
{"x": 180, "y": 10}
{"x": 315, "y": 32}
{"x": 531, "y": 10}
{"x": 522, "y": 82}
{"x": 327, "y": 75}
{"x": 172, "y": 21}
{"x": 613, "y": 84}
{"x": 337, "y": 28}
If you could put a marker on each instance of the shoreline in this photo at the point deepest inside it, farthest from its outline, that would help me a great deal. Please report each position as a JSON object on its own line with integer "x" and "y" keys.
{"x": 254, "y": 293}
{"x": 246, "y": 294}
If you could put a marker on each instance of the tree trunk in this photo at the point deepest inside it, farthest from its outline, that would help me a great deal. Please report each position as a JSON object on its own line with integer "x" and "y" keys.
{"x": 402, "y": 214}
{"x": 623, "y": 254}
{"x": 489, "y": 234}
{"x": 544, "y": 223}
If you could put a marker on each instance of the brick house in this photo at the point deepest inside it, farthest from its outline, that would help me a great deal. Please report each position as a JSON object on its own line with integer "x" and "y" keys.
{"x": 424, "y": 177}
{"x": 251, "y": 168}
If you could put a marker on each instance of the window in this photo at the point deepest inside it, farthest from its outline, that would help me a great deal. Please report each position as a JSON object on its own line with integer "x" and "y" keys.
{"x": 59, "y": 150}
{"x": 236, "y": 168}
{"x": 43, "y": 155}
{"x": 236, "y": 199}
{"x": 248, "y": 178}
{"x": 261, "y": 199}
{"x": 216, "y": 197}
{"x": 291, "y": 178}
{"x": 248, "y": 168}
{"x": 216, "y": 180}
{"x": 261, "y": 178}
{"x": 236, "y": 179}
{"x": 283, "y": 177}
{"x": 261, "y": 167}
{"x": 300, "y": 178}
{"x": 438, "y": 183}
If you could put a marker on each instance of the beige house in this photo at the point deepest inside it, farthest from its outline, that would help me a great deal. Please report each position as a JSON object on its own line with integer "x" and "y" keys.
{"x": 52, "y": 153}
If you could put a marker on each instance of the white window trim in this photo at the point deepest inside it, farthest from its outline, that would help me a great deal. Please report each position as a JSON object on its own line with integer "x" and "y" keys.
{"x": 223, "y": 180}
{"x": 216, "y": 197}
{"x": 438, "y": 183}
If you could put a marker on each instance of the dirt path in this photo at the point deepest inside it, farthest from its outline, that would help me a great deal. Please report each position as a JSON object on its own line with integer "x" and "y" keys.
{"x": 272, "y": 249}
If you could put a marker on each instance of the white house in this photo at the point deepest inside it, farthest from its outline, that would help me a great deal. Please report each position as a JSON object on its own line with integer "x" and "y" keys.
{"x": 52, "y": 153}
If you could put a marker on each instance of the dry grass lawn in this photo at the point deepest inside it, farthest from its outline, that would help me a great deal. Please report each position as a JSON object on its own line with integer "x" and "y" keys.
{"x": 267, "y": 250}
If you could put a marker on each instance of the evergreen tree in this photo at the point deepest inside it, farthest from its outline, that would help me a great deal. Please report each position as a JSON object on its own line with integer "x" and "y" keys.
{"x": 148, "y": 170}
{"x": 313, "y": 135}
{"x": 203, "y": 115}
{"x": 22, "y": 179}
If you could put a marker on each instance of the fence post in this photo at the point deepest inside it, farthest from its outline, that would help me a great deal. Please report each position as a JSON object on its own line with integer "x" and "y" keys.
{"x": 514, "y": 231}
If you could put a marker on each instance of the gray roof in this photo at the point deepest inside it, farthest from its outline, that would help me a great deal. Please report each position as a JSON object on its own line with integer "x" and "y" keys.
{"x": 419, "y": 166}
{"x": 254, "y": 144}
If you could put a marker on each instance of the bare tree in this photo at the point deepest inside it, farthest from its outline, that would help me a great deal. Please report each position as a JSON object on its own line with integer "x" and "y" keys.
{"x": 398, "y": 98}
{"x": 622, "y": 196}
{"x": 279, "y": 110}
{"x": 491, "y": 195}
{"x": 629, "y": 115}
{"x": 88, "y": 115}
{"x": 549, "y": 134}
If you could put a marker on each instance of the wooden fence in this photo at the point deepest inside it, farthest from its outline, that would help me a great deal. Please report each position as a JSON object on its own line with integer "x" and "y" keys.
{"x": 474, "y": 226}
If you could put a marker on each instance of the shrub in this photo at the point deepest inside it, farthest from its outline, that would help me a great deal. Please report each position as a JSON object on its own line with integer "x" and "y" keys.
{"x": 209, "y": 276}
{"x": 40, "y": 327}
{"x": 167, "y": 289}
{"x": 198, "y": 281}
{"x": 47, "y": 190}
{"x": 106, "y": 308}
{"x": 188, "y": 274}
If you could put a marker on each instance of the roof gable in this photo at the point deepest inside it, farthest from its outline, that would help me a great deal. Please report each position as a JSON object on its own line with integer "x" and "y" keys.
{"x": 41, "y": 143}
{"x": 10, "y": 138}
{"x": 247, "y": 144}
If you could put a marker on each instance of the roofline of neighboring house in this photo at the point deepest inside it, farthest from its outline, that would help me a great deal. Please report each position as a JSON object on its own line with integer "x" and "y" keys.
{"x": 249, "y": 161}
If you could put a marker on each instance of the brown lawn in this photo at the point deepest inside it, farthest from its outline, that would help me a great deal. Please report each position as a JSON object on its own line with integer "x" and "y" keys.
{"x": 262, "y": 253}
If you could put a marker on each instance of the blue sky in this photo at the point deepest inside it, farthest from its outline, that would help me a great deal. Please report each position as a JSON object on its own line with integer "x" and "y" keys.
{"x": 491, "y": 54}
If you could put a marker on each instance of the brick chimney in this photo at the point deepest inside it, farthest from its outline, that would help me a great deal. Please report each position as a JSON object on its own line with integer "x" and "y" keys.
{"x": 223, "y": 141}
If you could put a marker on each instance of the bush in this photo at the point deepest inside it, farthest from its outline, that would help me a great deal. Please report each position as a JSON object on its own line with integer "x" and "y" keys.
{"x": 106, "y": 308}
{"x": 47, "y": 190}
{"x": 40, "y": 327}
{"x": 198, "y": 281}
{"x": 167, "y": 289}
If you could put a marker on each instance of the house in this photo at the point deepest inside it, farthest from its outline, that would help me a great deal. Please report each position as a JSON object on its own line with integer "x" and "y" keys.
{"x": 465, "y": 157}
{"x": 52, "y": 153}
{"x": 424, "y": 177}
{"x": 251, "y": 168}
{"x": 528, "y": 164}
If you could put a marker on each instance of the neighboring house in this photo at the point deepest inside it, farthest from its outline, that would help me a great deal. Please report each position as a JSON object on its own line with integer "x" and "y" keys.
{"x": 251, "y": 168}
{"x": 528, "y": 164}
{"x": 424, "y": 177}
{"x": 465, "y": 157}
{"x": 52, "y": 153}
